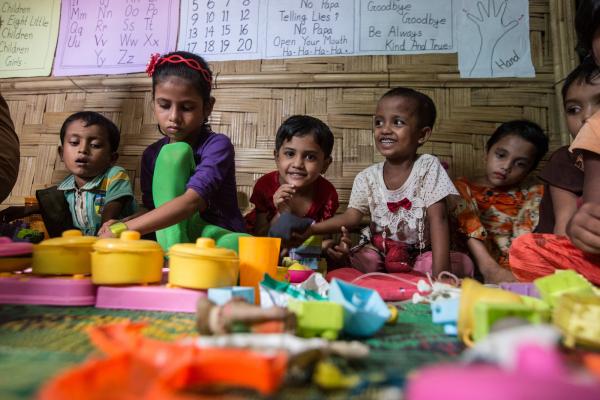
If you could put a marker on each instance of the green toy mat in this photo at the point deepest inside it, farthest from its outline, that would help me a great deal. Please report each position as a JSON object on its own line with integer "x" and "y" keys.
{"x": 37, "y": 342}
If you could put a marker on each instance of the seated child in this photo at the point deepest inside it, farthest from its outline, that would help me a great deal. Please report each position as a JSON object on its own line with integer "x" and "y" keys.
{"x": 303, "y": 146}
{"x": 404, "y": 195}
{"x": 96, "y": 190}
{"x": 188, "y": 176}
{"x": 501, "y": 205}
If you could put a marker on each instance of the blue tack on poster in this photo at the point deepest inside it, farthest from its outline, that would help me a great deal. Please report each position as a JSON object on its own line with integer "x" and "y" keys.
{"x": 222, "y": 295}
{"x": 364, "y": 310}
{"x": 445, "y": 311}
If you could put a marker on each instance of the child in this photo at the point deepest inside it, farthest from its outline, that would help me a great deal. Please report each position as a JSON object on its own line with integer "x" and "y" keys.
{"x": 539, "y": 255}
{"x": 563, "y": 174}
{"x": 96, "y": 190}
{"x": 9, "y": 151}
{"x": 303, "y": 146}
{"x": 404, "y": 195}
{"x": 191, "y": 171}
{"x": 500, "y": 206}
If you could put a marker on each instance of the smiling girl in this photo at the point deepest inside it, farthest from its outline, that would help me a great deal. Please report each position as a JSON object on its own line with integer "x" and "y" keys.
{"x": 499, "y": 206}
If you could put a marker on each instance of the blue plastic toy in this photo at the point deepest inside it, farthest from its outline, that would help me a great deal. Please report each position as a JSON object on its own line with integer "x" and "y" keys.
{"x": 445, "y": 312}
{"x": 222, "y": 295}
{"x": 365, "y": 311}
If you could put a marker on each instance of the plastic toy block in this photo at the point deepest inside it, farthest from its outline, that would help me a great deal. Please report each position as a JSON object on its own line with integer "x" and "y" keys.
{"x": 552, "y": 287}
{"x": 318, "y": 318}
{"x": 222, "y": 295}
{"x": 151, "y": 298}
{"x": 445, "y": 311}
{"x": 486, "y": 314}
{"x": 27, "y": 289}
{"x": 522, "y": 288}
{"x": 578, "y": 317}
{"x": 365, "y": 311}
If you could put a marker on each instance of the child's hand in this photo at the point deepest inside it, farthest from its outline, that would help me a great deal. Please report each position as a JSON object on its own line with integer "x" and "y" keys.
{"x": 341, "y": 251}
{"x": 16, "y": 212}
{"x": 584, "y": 228}
{"x": 282, "y": 197}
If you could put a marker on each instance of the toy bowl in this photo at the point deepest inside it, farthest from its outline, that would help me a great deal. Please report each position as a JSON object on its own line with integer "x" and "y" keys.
{"x": 202, "y": 265}
{"x": 66, "y": 255}
{"x": 127, "y": 260}
{"x": 298, "y": 275}
{"x": 14, "y": 256}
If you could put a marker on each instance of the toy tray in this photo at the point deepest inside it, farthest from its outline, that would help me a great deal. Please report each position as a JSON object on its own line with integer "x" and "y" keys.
{"x": 149, "y": 298}
{"x": 54, "y": 291}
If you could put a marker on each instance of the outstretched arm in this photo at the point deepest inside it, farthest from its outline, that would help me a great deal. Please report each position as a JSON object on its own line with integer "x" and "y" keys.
{"x": 437, "y": 217}
{"x": 350, "y": 219}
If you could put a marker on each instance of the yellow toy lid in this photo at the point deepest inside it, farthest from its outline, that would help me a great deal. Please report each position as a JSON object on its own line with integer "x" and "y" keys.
{"x": 129, "y": 241}
{"x": 204, "y": 247}
{"x": 70, "y": 238}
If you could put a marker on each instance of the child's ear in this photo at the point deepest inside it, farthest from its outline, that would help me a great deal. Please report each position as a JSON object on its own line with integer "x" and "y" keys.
{"x": 425, "y": 135}
{"x": 114, "y": 157}
{"x": 60, "y": 153}
{"x": 208, "y": 107}
{"x": 326, "y": 165}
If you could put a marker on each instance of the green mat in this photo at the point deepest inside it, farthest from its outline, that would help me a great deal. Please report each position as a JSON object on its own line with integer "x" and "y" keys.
{"x": 37, "y": 342}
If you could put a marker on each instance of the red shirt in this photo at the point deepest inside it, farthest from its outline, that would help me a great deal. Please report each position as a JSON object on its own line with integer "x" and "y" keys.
{"x": 324, "y": 205}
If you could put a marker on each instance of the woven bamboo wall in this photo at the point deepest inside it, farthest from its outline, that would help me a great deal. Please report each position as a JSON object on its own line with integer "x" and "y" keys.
{"x": 253, "y": 97}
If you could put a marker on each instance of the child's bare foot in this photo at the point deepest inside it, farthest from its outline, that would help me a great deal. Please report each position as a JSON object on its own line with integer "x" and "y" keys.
{"x": 494, "y": 273}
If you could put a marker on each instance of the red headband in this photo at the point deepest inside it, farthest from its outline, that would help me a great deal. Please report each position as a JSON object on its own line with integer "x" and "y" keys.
{"x": 156, "y": 60}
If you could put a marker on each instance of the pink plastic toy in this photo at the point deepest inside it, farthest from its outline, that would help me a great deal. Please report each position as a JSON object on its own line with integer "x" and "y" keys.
{"x": 27, "y": 289}
{"x": 538, "y": 374}
{"x": 297, "y": 275}
{"x": 390, "y": 286}
{"x": 151, "y": 298}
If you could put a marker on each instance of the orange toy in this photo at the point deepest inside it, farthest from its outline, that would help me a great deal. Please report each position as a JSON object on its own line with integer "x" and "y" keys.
{"x": 141, "y": 368}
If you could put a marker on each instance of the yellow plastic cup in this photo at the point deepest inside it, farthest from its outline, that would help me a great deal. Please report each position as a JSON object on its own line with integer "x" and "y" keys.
{"x": 258, "y": 255}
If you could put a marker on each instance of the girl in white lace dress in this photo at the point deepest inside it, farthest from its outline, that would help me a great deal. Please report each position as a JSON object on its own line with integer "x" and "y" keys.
{"x": 404, "y": 195}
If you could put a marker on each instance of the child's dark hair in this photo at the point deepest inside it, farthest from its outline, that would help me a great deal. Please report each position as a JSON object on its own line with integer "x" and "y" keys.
{"x": 527, "y": 130}
{"x": 425, "y": 106}
{"x": 200, "y": 80}
{"x": 301, "y": 125}
{"x": 90, "y": 118}
{"x": 585, "y": 72}
{"x": 587, "y": 21}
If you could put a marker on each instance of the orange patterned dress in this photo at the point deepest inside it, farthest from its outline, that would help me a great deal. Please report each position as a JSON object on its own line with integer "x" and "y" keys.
{"x": 496, "y": 217}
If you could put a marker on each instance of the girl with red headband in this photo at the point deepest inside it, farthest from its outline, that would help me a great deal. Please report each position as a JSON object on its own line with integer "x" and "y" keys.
{"x": 188, "y": 176}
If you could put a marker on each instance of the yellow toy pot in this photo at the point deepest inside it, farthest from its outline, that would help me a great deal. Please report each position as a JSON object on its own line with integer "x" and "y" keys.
{"x": 202, "y": 265}
{"x": 127, "y": 260}
{"x": 473, "y": 292}
{"x": 66, "y": 255}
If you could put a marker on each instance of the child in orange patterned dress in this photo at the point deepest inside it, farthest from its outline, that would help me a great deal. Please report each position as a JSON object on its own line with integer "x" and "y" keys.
{"x": 502, "y": 204}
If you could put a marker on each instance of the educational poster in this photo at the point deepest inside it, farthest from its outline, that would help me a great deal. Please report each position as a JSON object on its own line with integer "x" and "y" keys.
{"x": 28, "y": 31}
{"x": 398, "y": 27}
{"x": 113, "y": 36}
{"x": 493, "y": 39}
{"x": 265, "y": 29}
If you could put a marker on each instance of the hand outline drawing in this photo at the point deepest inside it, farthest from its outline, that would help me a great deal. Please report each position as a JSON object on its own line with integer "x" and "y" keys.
{"x": 490, "y": 19}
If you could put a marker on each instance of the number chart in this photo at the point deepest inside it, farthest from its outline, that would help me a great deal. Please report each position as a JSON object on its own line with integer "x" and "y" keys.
{"x": 219, "y": 27}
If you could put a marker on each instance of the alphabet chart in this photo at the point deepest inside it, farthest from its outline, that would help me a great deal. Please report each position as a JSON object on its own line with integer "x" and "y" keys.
{"x": 113, "y": 36}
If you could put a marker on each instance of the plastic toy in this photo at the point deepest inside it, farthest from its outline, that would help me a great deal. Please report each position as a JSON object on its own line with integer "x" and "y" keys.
{"x": 318, "y": 318}
{"x": 487, "y": 314}
{"x": 66, "y": 255}
{"x": 522, "y": 288}
{"x": 127, "y": 260}
{"x": 552, "y": 287}
{"x": 14, "y": 256}
{"x": 220, "y": 296}
{"x": 151, "y": 298}
{"x": 538, "y": 373}
{"x": 390, "y": 286}
{"x": 445, "y": 312}
{"x": 578, "y": 317}
{"x": 258, "y": 256}
{"x": 309, "y": 252}
{"x": 21, "y": 231}
{"x": 298, "y": 273}
{"x": 202, "y": 265}
{"x": 472, "y": 292}
{"x": 277, "y": 293}
{"x": 28, "y": 289}
{"x": 364, "y": 310}
{"x": 140, "y": 368}
{"x": 238, "y": 316}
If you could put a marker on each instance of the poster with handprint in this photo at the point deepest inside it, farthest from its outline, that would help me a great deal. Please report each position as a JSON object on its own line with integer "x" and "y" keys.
{"x": 493, "y": 41}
